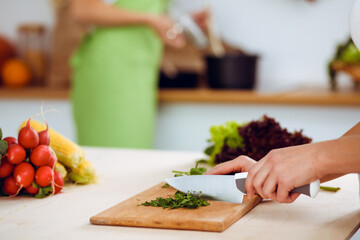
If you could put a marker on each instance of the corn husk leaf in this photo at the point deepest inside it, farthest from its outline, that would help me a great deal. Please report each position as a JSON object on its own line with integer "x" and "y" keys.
{"x": 84, "y": 174}
{"x": 61, "y": 169}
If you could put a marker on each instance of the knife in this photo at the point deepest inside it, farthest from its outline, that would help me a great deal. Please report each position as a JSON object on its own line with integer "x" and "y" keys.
{"x": 227, "y": 188}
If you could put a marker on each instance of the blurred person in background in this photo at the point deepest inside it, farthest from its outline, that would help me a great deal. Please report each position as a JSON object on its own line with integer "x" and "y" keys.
{"x": 115, "y": 70}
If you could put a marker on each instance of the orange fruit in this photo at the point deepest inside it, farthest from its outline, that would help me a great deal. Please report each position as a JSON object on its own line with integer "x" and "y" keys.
{"x": 15, "y": 73}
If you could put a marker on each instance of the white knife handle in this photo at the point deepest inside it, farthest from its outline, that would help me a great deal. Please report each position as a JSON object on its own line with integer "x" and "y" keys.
{"x": 310, "y": 190}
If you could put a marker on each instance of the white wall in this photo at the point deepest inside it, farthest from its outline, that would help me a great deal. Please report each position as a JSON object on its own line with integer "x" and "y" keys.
{"x": 15, "y": 12}
{"x": 295, "y": 38}
{"x": 186, "y": 126}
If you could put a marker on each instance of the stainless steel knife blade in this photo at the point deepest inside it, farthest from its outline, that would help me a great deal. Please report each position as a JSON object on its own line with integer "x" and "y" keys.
{"x": 228, "y": 188}
{"x": 217, "y": 187}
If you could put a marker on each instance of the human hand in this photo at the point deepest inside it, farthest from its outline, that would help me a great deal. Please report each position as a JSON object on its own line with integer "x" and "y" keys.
{"x": 201, "y": 18}
{"x": 239, "y": 164}
{"x": 166, "y": 30}
{"x": 282, "y": 170}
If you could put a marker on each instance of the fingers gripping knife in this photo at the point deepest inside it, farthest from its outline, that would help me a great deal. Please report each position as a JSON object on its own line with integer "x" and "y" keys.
{"x": 225, "y": 187}
{"x": 310, "y": 190}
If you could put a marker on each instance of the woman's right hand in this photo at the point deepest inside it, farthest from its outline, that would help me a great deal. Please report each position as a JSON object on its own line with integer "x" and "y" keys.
{"x": 164, "y": 27}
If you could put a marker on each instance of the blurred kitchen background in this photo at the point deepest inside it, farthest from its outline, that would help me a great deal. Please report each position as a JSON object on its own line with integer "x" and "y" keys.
{"x": 290, "y": 68}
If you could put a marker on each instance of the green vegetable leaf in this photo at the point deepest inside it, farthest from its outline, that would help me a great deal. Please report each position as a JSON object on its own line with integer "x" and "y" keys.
{"x": 227, "y": 133}
{"x": 209, "y": 150}
{"x": 35, "y": 185}
{"x": 201, "y": 161}
{"x": 3, "y": 147}
{"x": 44, "y": 191}
{"x": 330, "y": 189}
{"x": 197, "y": 171}
{"x": 1, "y": 134}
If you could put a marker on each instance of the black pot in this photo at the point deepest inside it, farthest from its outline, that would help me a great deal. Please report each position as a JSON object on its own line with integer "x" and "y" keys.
{"x": 181, "y": 80}
{"x": 232, "y": 71}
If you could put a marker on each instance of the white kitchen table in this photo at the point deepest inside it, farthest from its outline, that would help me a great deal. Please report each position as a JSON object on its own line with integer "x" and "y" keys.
{"x": 124, "y": 173}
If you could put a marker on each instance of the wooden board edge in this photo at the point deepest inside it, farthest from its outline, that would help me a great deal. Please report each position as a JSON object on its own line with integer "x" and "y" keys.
{"x": 255, "y": 200}
{"x": 219, "y": 228}
{"x": 99, "y": 219}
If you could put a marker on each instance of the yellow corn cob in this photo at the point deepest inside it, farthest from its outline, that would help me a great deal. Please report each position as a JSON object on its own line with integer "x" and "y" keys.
{"x": 61, "y": 169}
{"x": 68, "y": 153}
{"x": 84, "y": 174}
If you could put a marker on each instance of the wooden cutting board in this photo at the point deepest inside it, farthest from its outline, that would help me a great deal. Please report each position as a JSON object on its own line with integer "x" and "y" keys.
{"x": 216, "y": 217}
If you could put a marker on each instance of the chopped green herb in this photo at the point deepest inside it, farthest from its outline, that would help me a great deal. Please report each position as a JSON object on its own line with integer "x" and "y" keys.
{"x": 330, "y": 189}
{"x": 193, "y": 171}
{"x": 180, "y": 200}
{"x": 202, "y": 161}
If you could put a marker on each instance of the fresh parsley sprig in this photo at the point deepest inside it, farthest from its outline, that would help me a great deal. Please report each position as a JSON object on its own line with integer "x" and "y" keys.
{"x": 193, "y": 171}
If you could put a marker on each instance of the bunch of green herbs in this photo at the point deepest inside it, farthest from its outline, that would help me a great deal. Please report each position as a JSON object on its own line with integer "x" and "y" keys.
{"x": 179, "y": 200}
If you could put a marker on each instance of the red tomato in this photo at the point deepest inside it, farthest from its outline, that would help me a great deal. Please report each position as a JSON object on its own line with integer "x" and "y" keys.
{"x": 44, "y": 176}
{"x": 28, "y": 137}
{"x": 16, "y": 154}
{"x": 59, "y": 182}
{"x": 11, "y": 140}
{"x": 6, "y": 168}
{"x": 41, "y": 155}
{"x": 24, "y": 174}
{"x": 30, "y": 189}
{"x": 10, "y": 187}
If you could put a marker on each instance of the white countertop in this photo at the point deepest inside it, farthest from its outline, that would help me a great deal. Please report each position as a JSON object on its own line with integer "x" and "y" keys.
{"x": 123, "y": 173}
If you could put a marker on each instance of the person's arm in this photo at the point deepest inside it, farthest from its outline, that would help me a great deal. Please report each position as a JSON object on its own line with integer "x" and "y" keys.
{"x": 353, "y": 131}
{"x": 98, "y": 13}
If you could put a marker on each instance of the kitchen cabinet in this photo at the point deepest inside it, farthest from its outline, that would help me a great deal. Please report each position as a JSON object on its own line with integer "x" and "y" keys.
{"x": 123, "y": 173}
